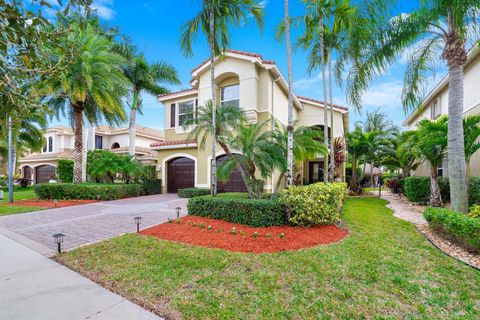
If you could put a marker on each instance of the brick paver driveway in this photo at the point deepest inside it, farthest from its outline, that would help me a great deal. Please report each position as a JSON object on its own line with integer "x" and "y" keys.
{"x": 93, "y": 222}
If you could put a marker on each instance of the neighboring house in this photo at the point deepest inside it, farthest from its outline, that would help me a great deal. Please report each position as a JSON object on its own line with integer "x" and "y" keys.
{"x": 3, "y": 167}
{"x": 39, "y": 167}
{"x": 254, "y": 85}
{"x": 436, "y": 104}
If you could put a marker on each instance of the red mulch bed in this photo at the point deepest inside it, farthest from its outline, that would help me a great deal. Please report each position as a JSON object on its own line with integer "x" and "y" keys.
{"x": 219, "y": 236}
{"x": 50, "y": 203}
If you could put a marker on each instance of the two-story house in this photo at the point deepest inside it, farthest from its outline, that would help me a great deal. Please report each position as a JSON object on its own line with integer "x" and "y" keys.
{"x": 258, "y": 88}
{"x": 39, "y": 167}
{"x": 436, "y": 104}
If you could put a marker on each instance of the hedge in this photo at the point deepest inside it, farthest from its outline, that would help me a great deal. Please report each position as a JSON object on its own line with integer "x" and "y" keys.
{"x": 250, "y": 212}
{"x": 318, "y": 203}
{"x": 417, "y": 189}
{"x": 68, "y": 191}
{"x": 192, "y": 192}
{"x": 65, "y": 170}
{"x": 152, "y": 186}
{"x": 457, "y": 226}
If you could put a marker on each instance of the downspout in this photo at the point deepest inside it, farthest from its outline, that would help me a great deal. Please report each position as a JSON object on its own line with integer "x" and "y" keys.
{"x": 272, "y": 124}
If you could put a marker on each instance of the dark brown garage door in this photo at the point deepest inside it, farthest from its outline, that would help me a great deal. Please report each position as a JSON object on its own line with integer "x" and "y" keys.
{"x": 234, "y": 184}
{"x": 44, "y": 173}
{"x": 27, "y": 173}
{"x": 180, "y": 174}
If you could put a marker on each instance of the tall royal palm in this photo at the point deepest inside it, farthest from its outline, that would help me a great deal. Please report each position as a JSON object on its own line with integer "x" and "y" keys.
{"x": 436, "y": 26}
{"x": 92, "y": 85}
{"x": 213, "y": 21}
{"x": 145, "y": 77}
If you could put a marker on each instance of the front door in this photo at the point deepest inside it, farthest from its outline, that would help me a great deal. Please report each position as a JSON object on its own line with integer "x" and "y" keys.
{"x": 315, "y": 171}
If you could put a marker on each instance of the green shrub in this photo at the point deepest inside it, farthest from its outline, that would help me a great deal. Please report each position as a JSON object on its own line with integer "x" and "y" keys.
{"x": 474, "y": 191}
{"x": 257, "y": 213}
{"x": 192, "y": 192}
{"x": 68, "y": 191}
{"x": 417, "y": 189}
{"x": 152, "y": 186}
{"x": 474, "y": 211}
{"x": 457, "y": 226}
{"x": 318, "y": 203}
{"x": 65, "y": 170}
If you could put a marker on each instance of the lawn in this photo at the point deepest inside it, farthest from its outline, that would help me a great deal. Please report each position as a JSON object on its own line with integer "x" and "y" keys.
{"x": 384, "y": 269}
{"x": 18, "y": 194}
{"x": 8, "y": 210}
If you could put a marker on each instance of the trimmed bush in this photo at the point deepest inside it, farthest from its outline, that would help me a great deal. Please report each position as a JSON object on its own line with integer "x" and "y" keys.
{"x": 65, "y": 170}
{"x": 456, "y": 226}
{"x": 318, "y": 203}
{"x": 152, "y": 186}
{"x": 250, "y": 212}
{"x": 192, "y": 192}
{"x": 417, "y": 189}
{"x": 86, "y": 191}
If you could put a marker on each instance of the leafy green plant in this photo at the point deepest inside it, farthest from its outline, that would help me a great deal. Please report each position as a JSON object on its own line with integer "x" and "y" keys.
{"x": 202, "y": 226}
{"x": 209, "y": 228}
{"x": 456, "y": 225}
{"x": 255, "y": 235}
{"x": 65, "y": 170}
{"x": 233, "y": 231}
{"x": 282, "y": 235}
{"x": 474, "y": 211}
{"x": 179, "y": 221}
{"x": 257, "y": 213}
{"x": 318, "y": 203}
{"x": 269, "y": 235}
{"x": 192, "y": 192}
{"x": 68, "y": 191}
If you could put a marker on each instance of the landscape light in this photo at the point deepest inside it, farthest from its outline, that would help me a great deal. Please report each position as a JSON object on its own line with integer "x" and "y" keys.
{"x": 58, "y": 238}
{"x": 138, "y": 220}
{"x": 177, "y": 210}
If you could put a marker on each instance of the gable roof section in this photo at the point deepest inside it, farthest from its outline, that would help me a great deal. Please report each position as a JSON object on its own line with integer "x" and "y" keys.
{"x": 319, "y": 103}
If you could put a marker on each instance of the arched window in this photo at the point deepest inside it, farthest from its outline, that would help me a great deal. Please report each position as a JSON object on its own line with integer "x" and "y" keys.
{"x": 115, "y": 145}
{"x": 50, "y": 144}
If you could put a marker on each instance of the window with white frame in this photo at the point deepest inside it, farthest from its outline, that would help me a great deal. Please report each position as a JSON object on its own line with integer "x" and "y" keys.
{"x": 435, "y": 110}
{"x": 230, "y": 95}
{"x": 440, "y": 169}
{"x": 50, "y": 144}
{"x": 185, "y": 111}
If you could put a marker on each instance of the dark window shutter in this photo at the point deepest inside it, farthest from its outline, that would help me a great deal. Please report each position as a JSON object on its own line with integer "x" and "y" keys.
{"x": 172, "y": 115}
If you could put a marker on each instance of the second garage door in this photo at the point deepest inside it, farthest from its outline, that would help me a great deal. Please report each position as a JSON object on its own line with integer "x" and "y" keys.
{"x": 235, "y": 182}
{"x": 44, "y": 173}
{"x": 181, "y": 174}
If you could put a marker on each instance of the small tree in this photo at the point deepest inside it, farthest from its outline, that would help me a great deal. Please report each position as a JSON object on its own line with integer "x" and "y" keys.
{"x": 357, "y": 146}
{"x": 432, "y": 146}
{"x": 65, "y": 170}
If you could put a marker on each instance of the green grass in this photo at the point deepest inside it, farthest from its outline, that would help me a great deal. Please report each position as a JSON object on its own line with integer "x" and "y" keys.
{"x": 8, "y": 210}
{"x": 20, "y": 194}
{"x": 383, "y": 270}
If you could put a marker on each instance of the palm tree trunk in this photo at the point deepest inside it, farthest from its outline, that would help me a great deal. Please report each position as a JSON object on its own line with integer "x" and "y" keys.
{"x": 132, "y": 129}
{"x": 243, "y": 174}
{"x": 457, "y": 171}
{"x": 290, "y": 100}
{"x": 332, "y": 152}
{"x": 371, "y": 173}
{"x": 435, "y": 194}
{"x": 353, "y": 179}
{"x": 78, "y": 144}
{"x": 325, "y": 107}
{"x": 213, "y": 165}
{"x": 279, "y": 182}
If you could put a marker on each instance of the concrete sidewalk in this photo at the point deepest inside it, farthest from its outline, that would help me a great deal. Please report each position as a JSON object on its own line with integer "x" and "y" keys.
{"x": 35, "y": 287}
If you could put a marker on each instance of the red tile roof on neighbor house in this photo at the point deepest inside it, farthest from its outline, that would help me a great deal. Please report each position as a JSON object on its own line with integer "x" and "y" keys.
{"x": 244, "y": 53}
{"x": 176, "y": 92}
{"x": 172, "y": 143}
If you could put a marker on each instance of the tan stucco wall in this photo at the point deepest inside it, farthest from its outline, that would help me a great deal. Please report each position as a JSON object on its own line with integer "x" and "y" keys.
{"x": 261, "y": 97}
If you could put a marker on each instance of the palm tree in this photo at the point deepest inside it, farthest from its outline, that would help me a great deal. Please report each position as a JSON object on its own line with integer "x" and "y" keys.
{"x": 435, "y": 26}
{"x": 432, "y": 146}
{"x": 337, "y": 16}
{"x": 257, "y": 155}
{"x": 401, "y": 152}
{"x": 213, "y": 21}
{"x": 471, "y": 129}
{"x": 376, "y": 121}
{"x": 357, "y": 146}
{"x": 227, "y": 117}
{"x": 289, "y": 168}
{"x": 145, "y": 77}
{"x": 92, "y": 85}
{"x": 307, "y": 146}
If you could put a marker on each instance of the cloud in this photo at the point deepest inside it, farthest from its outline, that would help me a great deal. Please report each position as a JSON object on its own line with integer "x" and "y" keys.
{"x": 386, "y": 94}
{"x": 264, "y": 3}
{"x": 103, "y": 9}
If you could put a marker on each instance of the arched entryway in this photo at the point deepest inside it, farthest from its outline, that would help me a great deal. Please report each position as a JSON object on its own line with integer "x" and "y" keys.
{"x": 180, "y": 174}
{"x": 234, "y": 184}
{"x": 27, "y": 173}
{"x": 44, "y": 173}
